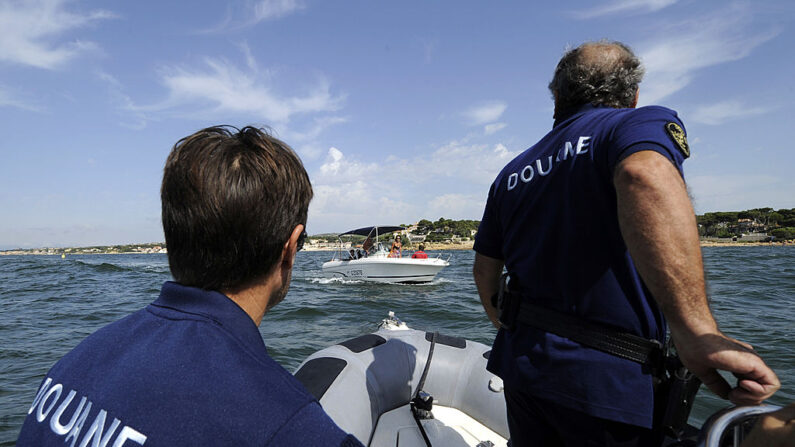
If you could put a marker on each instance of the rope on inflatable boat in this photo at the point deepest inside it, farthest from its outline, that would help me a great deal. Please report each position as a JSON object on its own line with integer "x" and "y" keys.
{"x": 420, "y": 385}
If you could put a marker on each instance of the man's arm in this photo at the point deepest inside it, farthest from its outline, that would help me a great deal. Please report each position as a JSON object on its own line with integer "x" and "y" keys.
{"x": 659, "y": 227}
{"x": 487, "y": 272}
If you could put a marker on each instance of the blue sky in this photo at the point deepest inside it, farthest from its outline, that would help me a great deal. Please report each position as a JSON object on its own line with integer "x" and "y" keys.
{"x": 399, "y": 110}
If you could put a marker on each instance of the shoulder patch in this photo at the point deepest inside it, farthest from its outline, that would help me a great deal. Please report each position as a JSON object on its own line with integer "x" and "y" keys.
{"x": 677, "y": 134}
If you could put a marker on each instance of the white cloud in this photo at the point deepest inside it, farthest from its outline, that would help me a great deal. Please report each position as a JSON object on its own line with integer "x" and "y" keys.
{"x": 251, "y": 62}
{"x": 456, "y": 206}
{"x": 485, "y": 113}
{"x": 309, "y": 151}
{"x": 475, "y": 164}
{"x": 493, "y": 128}
{"x": 9, "y": 99}
{"x": 429, "y": 48}
{"x": 222, "y": 87}
{"x": 333, "y": 162}
{"x": 725, "y": 111}
{"x": 740, "y": 192}
{"x": 31, "y": 30}
{"x": 255, "y": 12}
{"x": 133, "y": 118}
{"x": 624, "y": 6}
{"x": 317, "y": 127}
{"x": 275, "y": 9}
{"x": 672, "y": 62}
{"x": 350, "y": 193}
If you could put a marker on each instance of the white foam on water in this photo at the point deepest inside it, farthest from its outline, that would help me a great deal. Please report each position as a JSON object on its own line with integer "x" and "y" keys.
{"x": 335, "y": 280}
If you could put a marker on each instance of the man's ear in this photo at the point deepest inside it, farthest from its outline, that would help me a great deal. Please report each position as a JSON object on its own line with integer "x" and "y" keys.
{"x": 291, "y": 247}
{"x": 635, "y": 101}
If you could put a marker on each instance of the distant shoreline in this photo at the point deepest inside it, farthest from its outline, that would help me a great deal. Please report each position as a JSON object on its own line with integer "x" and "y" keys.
{"x": 745, "y": 244}
{"x": 466, "y": 245}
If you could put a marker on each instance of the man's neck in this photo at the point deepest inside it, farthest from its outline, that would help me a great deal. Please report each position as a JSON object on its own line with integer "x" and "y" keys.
{"x": 255, "y": 299}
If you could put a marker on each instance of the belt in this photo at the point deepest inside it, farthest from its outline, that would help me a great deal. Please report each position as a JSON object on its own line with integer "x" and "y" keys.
{"x": 593, "y": 335}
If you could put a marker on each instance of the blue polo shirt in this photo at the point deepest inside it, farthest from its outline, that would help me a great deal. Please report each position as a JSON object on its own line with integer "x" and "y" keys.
{"x": 189, "y": 369}
{"x": 551, "y": 216}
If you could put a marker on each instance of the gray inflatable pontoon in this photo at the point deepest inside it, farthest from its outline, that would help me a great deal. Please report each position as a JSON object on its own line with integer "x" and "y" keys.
{"x": 366, "y": 385}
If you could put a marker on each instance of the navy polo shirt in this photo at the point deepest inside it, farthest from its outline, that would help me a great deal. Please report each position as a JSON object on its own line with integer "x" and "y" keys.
{"x": 551, "y": 215}
{"x": 189, "y": 369}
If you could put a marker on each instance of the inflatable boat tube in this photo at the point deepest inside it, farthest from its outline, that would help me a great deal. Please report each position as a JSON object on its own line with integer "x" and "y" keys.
{"x": 366, "y": 385}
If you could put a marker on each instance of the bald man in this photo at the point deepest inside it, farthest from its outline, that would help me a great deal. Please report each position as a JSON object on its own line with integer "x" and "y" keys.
{"x": 595, "y": 228}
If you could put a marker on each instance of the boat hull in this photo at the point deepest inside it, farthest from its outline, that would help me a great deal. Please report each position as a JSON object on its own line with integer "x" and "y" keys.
{"x": 386, "y": 270}
{"x": 365, "y": 385}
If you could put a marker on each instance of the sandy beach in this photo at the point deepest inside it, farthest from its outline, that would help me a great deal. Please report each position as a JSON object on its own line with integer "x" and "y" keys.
{"x": 745, "y": 244}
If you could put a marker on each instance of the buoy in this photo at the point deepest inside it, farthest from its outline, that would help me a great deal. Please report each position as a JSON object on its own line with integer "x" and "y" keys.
{"x": 63, "y": 255}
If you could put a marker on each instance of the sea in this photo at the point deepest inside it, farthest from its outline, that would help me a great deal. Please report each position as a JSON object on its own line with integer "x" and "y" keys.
{"x": 50, "y": 304}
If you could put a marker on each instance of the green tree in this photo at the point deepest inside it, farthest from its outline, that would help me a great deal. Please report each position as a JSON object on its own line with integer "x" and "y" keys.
{"x": 783, "y": 234}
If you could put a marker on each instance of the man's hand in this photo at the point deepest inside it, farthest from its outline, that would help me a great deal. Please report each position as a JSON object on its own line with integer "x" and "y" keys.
{"x": 659, "y": 227}
{"x": 776, "y": 429}
{"x": 706, "y": 354}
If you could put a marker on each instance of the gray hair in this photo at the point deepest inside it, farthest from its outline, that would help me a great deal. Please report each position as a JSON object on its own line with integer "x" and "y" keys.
{"x": 603, "y": 73}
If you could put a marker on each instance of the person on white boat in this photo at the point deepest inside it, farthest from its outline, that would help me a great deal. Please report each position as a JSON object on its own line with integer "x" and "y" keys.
{"x": 395, "y": 251}
{"x": 191, "y": 369}
{"x": 420, "y": 254}
{"x": 594, "y": 225}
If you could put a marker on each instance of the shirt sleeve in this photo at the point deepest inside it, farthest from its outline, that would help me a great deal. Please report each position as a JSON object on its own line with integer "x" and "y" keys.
{"x": 488, "y": 240}
{"x": 312, "y": 427}
{"x": 649, "y": 129}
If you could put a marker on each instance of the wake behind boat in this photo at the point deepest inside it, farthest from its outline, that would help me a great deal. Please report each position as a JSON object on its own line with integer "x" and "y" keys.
{"x": 375, "y": 263}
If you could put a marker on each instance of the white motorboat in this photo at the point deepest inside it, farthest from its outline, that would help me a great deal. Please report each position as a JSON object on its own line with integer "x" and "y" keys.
{"x": 375, "y": 263}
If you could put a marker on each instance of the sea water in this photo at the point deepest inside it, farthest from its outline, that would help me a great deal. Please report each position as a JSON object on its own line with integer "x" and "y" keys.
{"x": 50, "y": 304}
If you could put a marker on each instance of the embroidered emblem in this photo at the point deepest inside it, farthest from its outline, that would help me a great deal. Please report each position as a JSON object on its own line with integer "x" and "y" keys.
{"x": 678, "y": 135}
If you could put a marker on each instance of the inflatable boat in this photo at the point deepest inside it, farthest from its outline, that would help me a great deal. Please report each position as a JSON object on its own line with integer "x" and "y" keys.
{"x": 403, "y": 387}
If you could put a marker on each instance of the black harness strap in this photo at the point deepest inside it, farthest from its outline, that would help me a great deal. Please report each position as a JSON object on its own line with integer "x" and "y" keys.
{"x": 621, "y": 344}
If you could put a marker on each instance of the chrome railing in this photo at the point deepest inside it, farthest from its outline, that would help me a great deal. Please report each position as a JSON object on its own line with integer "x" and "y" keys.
{"x": 730, "y": 426}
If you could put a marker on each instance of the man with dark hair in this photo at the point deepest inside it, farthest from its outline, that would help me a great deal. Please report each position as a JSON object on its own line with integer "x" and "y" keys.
{"x": 596, "y": 230}
{"x": 420, "y": 254}
{"x": 191, "y": 368}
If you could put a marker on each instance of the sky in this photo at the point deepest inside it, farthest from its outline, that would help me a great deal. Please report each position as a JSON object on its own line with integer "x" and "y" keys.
{"x": 399, "y": 110}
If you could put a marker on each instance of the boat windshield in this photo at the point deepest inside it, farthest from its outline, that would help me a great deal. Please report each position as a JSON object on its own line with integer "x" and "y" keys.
{"x": 363, "y": 243}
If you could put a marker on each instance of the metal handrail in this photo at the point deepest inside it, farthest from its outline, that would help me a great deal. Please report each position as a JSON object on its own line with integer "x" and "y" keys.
{"x": 730, "y": 418}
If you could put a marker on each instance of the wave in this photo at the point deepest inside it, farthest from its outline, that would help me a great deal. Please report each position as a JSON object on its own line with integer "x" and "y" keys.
{"x": 305, "y": 312}
{"x": 317, "y": 280}
{"x": 104, "y": 267}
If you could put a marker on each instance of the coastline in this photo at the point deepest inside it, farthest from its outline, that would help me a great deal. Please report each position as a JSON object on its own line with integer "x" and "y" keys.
{"x": 465, "y": 245}
{"x": 745, "y": 244}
